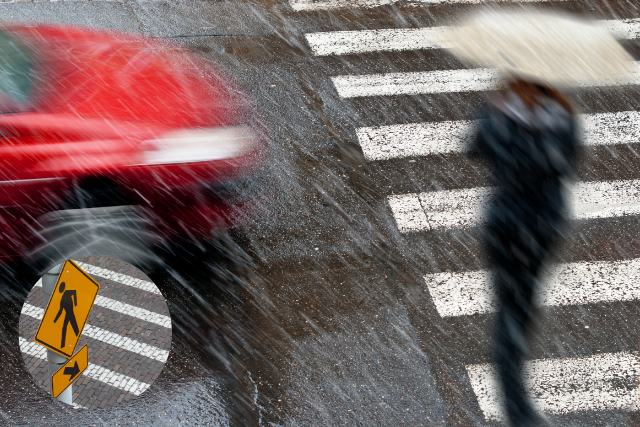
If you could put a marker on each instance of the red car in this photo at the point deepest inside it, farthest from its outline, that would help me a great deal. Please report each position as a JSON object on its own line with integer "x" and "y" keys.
{"x": 116, "y": 144}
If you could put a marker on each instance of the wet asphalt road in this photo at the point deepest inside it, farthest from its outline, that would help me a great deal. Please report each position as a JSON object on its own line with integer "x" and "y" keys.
{"x": 330, "y": 322}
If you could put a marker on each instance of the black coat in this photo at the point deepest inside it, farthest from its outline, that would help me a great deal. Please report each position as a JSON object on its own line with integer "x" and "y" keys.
{"x": 530, "y": 153}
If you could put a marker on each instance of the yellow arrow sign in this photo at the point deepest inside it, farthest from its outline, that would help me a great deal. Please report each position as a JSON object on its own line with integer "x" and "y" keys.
{"x": 70, "y": 371}
{"x": 67, "y": 310}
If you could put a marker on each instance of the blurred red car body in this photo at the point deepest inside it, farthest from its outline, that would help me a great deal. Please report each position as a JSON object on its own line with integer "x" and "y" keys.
{"x": 155, "y": 123}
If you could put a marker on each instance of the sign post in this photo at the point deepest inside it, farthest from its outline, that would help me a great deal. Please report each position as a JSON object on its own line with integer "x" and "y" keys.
{"x": 70, "y": 298}
{"x": 54, "y": 359}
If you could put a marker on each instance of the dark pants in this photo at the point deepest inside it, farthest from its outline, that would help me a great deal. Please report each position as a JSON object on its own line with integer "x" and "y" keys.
{"x": 517, "y": 249}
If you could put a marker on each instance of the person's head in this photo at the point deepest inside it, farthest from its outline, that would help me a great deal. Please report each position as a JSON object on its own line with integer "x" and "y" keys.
{"x": 61, "y": 289}
{"x": 533, "y": 93}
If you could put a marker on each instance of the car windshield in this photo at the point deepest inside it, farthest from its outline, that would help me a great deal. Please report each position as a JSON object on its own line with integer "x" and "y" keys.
{"x": 15, "y": 69}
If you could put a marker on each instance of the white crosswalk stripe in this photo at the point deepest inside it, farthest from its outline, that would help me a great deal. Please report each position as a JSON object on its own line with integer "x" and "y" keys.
{"x": 129, "y": 310}
{"x": 418, "y": 82}
{"x": 300, "y": 5}
{"x": 594, "y": 383}
{"x": 145, "y": 285}
{"x": 470, "y": 292}
{"x": 415, "y": 139}
{"x": 466, "y": 207}
{"x": 95, "y": 372}
{"x": 363, "y": 41}
{"x": 425, "y": 139}
{"x": 432, "y": 82}
{"x": 305, "y": 5}
{"x": 132, "y": 310}
{"x": 567, "y": 385}
{"x": 108, "y": 337}
{"x": 3, "y": 2}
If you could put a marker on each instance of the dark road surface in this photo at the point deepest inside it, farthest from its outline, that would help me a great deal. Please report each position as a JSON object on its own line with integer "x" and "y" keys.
{"x": 330, "y": 321}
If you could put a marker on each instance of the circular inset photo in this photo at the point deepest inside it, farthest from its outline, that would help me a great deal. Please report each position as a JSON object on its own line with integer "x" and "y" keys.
{"x": 94, "y": 332}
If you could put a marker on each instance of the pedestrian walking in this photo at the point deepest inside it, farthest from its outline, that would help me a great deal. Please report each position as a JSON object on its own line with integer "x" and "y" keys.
{"x": 68, "y": 300}
{"x": 528, "y": 135}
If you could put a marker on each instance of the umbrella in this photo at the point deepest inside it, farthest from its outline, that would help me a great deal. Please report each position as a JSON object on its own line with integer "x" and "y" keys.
{"x": 553, "y": 49}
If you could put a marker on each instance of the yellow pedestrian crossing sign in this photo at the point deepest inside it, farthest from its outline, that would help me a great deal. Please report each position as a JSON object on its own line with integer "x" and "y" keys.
{"x": 70, "y": 371}
{"x": 67, "y": 310}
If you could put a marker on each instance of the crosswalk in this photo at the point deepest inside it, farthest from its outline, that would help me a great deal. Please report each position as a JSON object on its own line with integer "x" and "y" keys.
{"x": 106, "y": 376}
{"x": 129, "y": 341}
{"x": 105, "y": 336}
{"x": 598, "y": 382}
{"x": 129, "y": 310}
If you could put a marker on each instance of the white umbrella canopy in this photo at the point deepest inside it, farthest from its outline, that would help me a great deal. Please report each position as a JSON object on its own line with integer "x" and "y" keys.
{"x": 554, "y": 49}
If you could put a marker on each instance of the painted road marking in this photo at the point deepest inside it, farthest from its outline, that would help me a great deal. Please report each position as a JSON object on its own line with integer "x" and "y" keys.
{"x": 68, "y": 1}
{"x": 129, "y": 310}
{"x": 310, "y": 5}
{"x": 430, "y": 82}
{"x": 466, "y": 207}
{"x": 364, "y": 41}
{"x": 300, "y": 5}
{"x": 424, "y": 139}
{"x": 419, "y": 82}
{"x": 471, "y": 292}
{"x": 145, "y": 285}
{"x": 104, "y": 375}
{"x": 400, "y": 39}
{"x": 415, "y": 139}
{"x": 599, "y": 382}
{"x": 596, "y": 383}
{"x": 108, "y": 337}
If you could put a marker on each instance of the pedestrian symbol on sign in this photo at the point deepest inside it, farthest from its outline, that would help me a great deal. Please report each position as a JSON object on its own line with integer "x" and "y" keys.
{"x": 68, "y": 300}
{"x": 70, "y": 304}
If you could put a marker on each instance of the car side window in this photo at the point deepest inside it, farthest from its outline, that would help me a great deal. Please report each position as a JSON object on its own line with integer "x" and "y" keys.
{"x": 16, "y": 69}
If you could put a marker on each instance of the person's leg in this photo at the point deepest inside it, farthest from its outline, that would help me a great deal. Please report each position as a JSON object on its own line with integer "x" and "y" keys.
{"x": 516, "y": 262}
{"x": 64, "y": 329}
{"x": 512, "y": 329}
{"x": 74, "y": 325}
